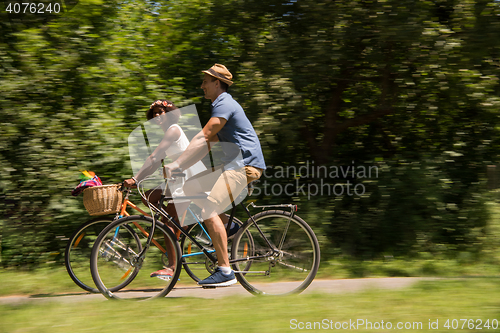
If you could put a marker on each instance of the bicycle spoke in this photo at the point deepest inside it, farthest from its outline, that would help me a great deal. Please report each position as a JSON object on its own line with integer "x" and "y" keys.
{"x": 283, "y": 236}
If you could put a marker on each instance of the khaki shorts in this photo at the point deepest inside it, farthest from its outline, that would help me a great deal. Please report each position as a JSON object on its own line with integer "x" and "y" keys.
{"x": 224, "y": 186}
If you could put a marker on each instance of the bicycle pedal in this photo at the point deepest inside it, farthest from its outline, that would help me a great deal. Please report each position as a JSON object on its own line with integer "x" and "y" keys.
{"x": 208, "y": 287}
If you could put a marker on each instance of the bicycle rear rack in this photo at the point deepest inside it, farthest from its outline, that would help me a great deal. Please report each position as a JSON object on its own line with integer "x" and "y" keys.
{"x": 293, "y": 208}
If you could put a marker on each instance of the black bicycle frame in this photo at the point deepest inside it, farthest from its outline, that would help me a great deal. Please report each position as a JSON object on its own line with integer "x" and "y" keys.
{"x": 162, "y": 212}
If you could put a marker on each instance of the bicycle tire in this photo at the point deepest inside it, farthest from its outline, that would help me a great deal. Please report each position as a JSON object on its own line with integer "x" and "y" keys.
{"x": 78, "y": 251}
{"x": 197, "y": 263}
{"x": 283, "y": 269}
{"x": 114, "y": 253}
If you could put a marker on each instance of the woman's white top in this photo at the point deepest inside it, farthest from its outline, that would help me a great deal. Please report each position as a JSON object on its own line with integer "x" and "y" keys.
{"x": 173, "y": 152}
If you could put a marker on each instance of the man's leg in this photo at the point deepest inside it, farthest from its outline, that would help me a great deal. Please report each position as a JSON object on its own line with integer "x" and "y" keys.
{"x": 217, "y": 232}
{"x": 227, "y": 187}
{"x": 223, "y": 275}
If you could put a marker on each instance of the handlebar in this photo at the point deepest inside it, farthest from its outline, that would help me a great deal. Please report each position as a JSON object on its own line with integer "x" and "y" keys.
{"x": 178, "y": 173}
{"x": 123, "y": 188}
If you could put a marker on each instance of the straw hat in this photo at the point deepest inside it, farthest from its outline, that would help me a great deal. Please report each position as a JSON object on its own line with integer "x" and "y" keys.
{"x": 220, "y": 72}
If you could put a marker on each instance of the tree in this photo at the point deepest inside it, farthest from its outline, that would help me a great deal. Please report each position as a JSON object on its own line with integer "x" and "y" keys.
{"x": 408, "y": 86}
{"x": 73, "y": 89}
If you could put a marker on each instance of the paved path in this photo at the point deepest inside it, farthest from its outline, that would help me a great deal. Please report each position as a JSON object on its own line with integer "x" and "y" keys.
{"x": 318, "y": 286}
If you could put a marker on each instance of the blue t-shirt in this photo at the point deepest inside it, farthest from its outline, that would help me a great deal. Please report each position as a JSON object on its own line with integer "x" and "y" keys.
{"x": 237, "y": 130}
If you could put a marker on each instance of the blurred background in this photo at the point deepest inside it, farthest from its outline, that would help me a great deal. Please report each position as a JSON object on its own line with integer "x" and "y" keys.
{"x": 408, "y": 87}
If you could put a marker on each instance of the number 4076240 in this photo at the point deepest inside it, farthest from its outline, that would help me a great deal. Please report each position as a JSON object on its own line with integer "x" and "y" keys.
{"x": 33, "y": 8}
{"x": 471, "y": 324}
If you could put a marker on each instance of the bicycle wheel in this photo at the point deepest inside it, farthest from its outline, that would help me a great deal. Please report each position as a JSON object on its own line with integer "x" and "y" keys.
{"x": 194, "y": 261}
{"x": 78, "y": 250}
{"x": 285, "y": 255}
{"x": 115, "y": 255}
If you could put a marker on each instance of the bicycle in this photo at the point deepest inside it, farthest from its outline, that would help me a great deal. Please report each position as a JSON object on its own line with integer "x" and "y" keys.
{"x": 275, "y": 252}
{"x": 79, "y": 247}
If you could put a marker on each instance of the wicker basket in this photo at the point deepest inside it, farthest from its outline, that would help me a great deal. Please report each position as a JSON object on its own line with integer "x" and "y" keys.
{"x": 102, "y": 200}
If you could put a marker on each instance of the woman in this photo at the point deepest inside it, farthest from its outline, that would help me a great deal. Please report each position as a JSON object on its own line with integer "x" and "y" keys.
{"x": 165, "y": 114}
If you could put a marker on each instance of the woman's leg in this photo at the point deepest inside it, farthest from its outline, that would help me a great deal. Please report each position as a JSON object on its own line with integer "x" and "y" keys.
{"x": 154, "y": 197}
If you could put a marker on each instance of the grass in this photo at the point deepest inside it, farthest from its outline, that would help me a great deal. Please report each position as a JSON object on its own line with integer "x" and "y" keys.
{"x": 468, "y": 289}
{"x": 56, "y": 280}
{"x": 49, "y": 281}
{"x": 427, "y": 302}
{"x": 424, "y": 267}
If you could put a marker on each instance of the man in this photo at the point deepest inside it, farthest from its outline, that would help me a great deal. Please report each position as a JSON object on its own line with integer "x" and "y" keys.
{"x": 230, "y": 126}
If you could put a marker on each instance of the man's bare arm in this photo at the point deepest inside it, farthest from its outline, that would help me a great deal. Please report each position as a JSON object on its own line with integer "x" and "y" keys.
{"x": 199, "y": 146}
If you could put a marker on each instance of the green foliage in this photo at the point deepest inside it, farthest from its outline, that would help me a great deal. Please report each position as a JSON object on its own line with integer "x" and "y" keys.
{"x": 411, "y": 87}
{"x": 410, "y": 84}
{"x": 73, "y": 90}
{"x": 411, "y": 208}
